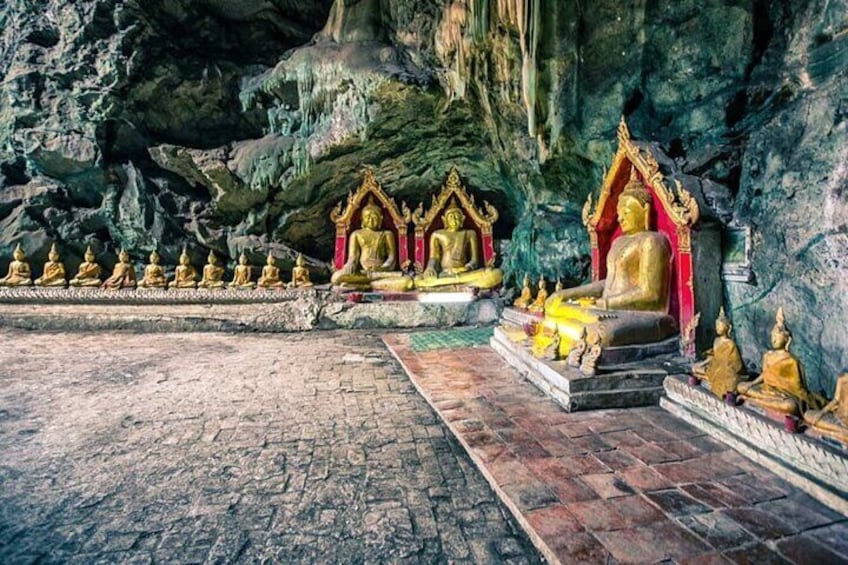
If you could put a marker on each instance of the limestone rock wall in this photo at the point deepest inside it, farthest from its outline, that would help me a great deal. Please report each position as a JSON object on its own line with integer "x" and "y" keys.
{"x": 237, "y": 125}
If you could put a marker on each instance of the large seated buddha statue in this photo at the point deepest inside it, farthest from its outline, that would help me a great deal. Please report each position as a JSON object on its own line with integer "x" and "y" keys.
{"x": 832, "y": 420}
{"x": 631, "y": 305}
{"x": 88, "y": 274}
{"x": 780, "y": 387}
{"x": 54, "y": 271}
{"x": 460, "y": 253}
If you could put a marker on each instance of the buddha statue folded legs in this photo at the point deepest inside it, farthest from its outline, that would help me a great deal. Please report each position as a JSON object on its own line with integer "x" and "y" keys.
{"x": 455, "y": 257}
{"x": 832, "y": 420}
{"x": 630, "y": 306}
{"x": 372, "y": 257}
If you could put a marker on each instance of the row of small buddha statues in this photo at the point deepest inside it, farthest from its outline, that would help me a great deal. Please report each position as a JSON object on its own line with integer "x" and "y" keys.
{"x": 124, "y": 275}
{"x": 525, "y": 299}
{"x": 780, "y": 388}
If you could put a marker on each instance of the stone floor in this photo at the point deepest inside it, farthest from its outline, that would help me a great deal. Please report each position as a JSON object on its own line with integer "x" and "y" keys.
{"x": 222, "y": 448}
{"x": 634, "y": 485}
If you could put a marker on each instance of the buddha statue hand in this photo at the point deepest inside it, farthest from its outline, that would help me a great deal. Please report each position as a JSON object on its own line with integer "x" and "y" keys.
{"x": 430, "y": 272}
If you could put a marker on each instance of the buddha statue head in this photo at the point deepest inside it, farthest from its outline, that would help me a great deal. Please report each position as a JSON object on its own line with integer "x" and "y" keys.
{"x": 270, "y": 260}
{"x": 211, "y": 258}
{"x": 300, "y": 261}
{"x": 634, "y": 206}
{"x": 53, "y": 254}
{"x": 154, "y": 257}
{"x": 123, "y": 256}
{"x": 242, "y": 259}
{"x": 18, "y": 253}
{"x": 453, "y": 218}
{"x": 372, "y": 215}
{"x": 780, "y": 335}
{"x": 723, "y": 327}
{"x": 558, "y": 286}
{"x": 89, "y": 254}
{"x": 184, "y": 259}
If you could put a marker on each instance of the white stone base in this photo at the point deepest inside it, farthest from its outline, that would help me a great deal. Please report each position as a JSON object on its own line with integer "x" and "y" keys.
{"x": 810, "y": 464}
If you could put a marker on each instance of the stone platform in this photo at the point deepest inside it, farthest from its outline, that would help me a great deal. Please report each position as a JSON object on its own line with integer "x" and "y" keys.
{"x": 283, "y": 310}
{"x": 814, "y": 465}
{"x": 622, "y": 386}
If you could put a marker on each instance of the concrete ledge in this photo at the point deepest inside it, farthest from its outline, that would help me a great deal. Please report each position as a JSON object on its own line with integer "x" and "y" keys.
{"x": 571, "y": 389}
{"x": 286, "y": 311}
{"x": 809, "y": 464}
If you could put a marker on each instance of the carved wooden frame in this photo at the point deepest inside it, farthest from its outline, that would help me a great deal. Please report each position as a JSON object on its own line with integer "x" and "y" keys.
{"x": 346, "y": 213}
{"x": 482, "y": 220}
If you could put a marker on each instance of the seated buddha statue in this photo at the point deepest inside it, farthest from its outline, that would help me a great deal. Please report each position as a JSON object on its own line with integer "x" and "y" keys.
{"x": 372, "y": 256}
{"x": 832, "y": 420}
{"x": 539, "y": 304}
{"x": 185, "y": 276}
{"x": 242, "y": 274}
{"x": 455, "y": 256}
{"x": 88, "y": 273}
{"x": 300, "y": 274}
{"x": 123, "y": 275}
{"x": 629, "y": 306}
{"x": 19, "y": 271}
{"x": 213, "y": 274}
{"x": 270, "y": 276}
{"x": 780, "y": 387}
{"x": 154, "y": 274}
{"x": 526, "y": 297}
{"x": 54, "y": 271}
{"x": 723, "y": 364}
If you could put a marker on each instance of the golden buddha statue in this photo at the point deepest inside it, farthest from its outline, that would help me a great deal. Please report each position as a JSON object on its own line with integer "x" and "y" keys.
{"x": 372, "y": 255}
{"x": 526, "y": 296}
{"x": 88, "y": 273}
{"x": 19, "y": 271}
{"x": 123, "y": 275}
{"x": 242, "y": 274}
{"x": 539, "y": 304}
{"x": 154, "y": 274}
{"x": 723, "y": 364}
{"x": 832, "y": 420}
{"x": 630, "y": 306}
{"x": 185, "y": 276}
{"x": 213, "y": 274}
{"x": 270, "y": 277}
{"x": 780, "y": 387}
{"x": 54, "y": 270}
{"x": 300, "y": 274}
{"x": 455, "y": 256}
{"x": 558, "y": 287}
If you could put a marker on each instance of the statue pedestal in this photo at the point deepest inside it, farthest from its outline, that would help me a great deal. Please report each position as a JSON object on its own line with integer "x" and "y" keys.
{"x": 622, "y": 386}
{"x": 818, "y": 467}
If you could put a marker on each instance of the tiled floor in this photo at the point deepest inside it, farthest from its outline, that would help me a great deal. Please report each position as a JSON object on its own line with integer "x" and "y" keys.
{"x": 635, "y": 485}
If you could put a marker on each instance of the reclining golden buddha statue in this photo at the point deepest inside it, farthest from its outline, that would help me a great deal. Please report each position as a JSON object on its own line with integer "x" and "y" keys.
{"x": 630, "y": 306}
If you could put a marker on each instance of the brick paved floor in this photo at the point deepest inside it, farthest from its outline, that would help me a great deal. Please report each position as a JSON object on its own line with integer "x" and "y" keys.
{"x": 232, "y": 448}
{"x": 635, "y": 485}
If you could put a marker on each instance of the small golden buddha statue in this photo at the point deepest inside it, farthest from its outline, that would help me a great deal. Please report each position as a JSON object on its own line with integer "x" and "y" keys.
{"x": 780, "y": 387}
{"x": 88, "y": 273}
{"x": 123, "y": 275}
{"x": 630, "y": 306}
{"x": 455, "y": 256}
{"x": 270, "y": 277}
{"x": 558, "y": 287}
{"x": 539, "y": 304}
{"x": 526, "y": 296}
{"x": 372, "y": 255}
{"x": 300, "y": 274}
{"x": 722, "y": 367}
{"x": 832, "y": 420}
{"x": 154, "y": 274}
{"x": 185, "y": 276}
{"x": 242, "y": 274}
{"x": 54, "y": 270}
{"x": 19, "y": 271}
{"x": 213, "y": 274}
